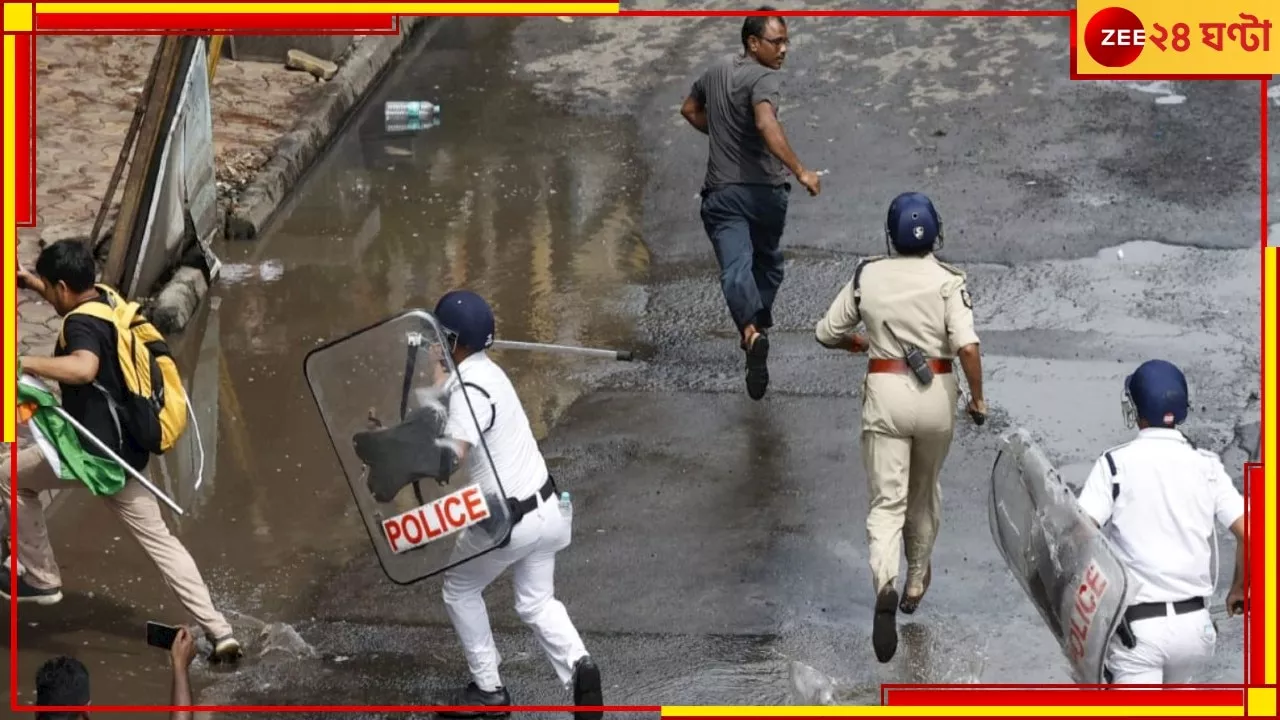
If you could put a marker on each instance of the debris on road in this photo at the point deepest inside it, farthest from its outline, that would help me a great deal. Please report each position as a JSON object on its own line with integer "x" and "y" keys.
{"x": 322, "y": 69}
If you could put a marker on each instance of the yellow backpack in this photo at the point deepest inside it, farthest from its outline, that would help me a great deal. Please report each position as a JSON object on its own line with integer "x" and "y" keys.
{"x": 155, "y": 404}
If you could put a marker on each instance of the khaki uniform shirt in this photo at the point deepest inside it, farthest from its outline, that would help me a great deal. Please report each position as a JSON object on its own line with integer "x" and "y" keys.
{"x": 923, "y": 299}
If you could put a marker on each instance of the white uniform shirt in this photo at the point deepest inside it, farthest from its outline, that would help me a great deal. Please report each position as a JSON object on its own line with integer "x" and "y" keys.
{"x": 1161, "y": 523}
{"x": 510, "y": 440}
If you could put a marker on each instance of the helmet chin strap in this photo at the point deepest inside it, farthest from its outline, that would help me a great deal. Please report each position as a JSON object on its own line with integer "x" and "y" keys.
{"x": 450, "y": 339}
{"x": 1128, "y": 411}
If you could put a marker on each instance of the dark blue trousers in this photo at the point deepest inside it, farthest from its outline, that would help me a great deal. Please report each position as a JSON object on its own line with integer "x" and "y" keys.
{"x": 745, "y": 224}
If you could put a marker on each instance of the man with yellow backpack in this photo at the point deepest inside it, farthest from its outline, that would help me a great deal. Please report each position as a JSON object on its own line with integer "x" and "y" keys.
{"x": 117, "y": 380}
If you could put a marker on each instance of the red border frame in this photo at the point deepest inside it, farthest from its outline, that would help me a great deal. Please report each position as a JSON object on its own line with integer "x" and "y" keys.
{"x": 930, "y": 695}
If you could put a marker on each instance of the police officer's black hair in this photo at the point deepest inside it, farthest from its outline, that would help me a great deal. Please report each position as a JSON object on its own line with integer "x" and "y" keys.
{"x": 62, "y": 681}
{"x": 754, "y": 25}
{"x": 68, "y": 261}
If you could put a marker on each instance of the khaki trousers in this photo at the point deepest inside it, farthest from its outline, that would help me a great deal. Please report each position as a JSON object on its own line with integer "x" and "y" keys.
{"x": 137, "y": 508}
{"x": 906, "y": 434}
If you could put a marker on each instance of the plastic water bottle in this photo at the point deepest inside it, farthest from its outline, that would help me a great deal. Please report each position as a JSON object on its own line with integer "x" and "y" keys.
{"x": 407, "y": 111}
{"x": 566, "y": 505}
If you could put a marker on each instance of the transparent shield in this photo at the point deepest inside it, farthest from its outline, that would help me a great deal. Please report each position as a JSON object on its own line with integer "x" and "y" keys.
{"x": 375, "y": 393}
{"x": 1058, "y": 555}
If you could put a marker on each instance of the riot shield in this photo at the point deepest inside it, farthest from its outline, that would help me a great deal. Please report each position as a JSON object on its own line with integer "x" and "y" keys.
{"x": 1061, "y": 559}
{"x": 375, "y": 392}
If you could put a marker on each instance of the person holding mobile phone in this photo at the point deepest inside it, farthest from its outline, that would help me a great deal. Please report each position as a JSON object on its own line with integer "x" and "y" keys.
{"x": 181, "y": 653}
{"x": 62, "y": 682}
{"x": 918, "y": 316}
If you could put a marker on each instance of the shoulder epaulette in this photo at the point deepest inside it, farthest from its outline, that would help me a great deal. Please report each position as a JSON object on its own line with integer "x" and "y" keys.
{"x": 950, "y": 268}
{"x": 857, "y": 277}
{"x": 1111, "y": 465}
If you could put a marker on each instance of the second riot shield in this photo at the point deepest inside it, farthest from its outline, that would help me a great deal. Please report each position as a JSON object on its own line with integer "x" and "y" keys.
{"x": 1060, "y": 558}
{"x": 386, "y": 396}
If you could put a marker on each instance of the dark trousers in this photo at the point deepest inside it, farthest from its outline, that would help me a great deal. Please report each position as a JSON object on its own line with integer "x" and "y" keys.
{"x": 745, "y": 224}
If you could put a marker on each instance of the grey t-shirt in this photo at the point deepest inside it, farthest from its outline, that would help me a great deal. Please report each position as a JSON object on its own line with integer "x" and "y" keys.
{"x": 729, "y": 90}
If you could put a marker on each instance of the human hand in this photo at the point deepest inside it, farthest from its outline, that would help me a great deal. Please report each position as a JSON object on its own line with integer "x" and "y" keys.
{"x": 28, "y": 280}
{"x": 977, "y": 408}
{"x": 811, "y": 182}
{"x": 858, "y": 343}
{"x": 183, "y": 650}
{"x": 1235, "y": 602}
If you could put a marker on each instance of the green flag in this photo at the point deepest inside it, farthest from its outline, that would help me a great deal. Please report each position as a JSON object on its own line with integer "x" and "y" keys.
{"x": 60, "y": 442}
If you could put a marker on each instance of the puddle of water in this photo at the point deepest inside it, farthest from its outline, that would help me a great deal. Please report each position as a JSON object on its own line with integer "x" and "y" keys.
{"x": 1142, "y": 251}
{"x": 533, "y": 208}
{"x": 1077, "y": 413}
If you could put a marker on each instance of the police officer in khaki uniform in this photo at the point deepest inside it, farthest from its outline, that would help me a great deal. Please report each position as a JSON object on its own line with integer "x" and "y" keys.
{"x": 918, "y": 316}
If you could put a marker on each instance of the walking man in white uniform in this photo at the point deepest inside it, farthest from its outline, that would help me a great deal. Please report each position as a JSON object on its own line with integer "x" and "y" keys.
{"x": 536, "y": 537}
{"x": 1157, "y": 497}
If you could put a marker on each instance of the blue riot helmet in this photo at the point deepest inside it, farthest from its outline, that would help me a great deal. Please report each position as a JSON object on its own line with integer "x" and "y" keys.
{"x": 913, "y": 225}
{"x": 1156, "y": 392}
{"x": 466, "y": 320}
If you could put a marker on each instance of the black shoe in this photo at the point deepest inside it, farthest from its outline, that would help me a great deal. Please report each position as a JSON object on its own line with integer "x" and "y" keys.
{"x": 586, "y": 689}
{"x": 473, "y": 696}
{"x": 884, "y": 630}
{"x": 28, "y": 594}
{"x": 758, "y": 366}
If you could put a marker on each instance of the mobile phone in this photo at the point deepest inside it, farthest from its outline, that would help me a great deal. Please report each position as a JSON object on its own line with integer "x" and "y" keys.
{"x": 160, "y": 635}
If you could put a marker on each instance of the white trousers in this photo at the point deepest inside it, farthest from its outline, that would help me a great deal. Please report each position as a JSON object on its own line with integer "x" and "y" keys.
{"x": 531, "y": 555}
{"x": 1171, "y": 650}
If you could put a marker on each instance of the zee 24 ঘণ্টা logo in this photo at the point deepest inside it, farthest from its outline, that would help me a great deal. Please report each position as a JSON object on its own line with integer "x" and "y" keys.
{"x": 1114, "y": 37}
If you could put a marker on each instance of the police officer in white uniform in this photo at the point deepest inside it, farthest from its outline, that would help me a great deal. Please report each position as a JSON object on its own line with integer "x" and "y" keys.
{"x": 1156, "y": 498}
{"x": 535, "y": 539}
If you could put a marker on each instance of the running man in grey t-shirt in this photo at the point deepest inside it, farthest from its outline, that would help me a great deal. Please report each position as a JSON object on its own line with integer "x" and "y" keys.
{"x": 745, "y": 193}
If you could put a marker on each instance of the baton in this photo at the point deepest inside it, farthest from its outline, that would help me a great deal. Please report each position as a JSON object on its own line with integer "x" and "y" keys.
{"x": 621, "y": 355}
{"x": 414, "y": 342}
{"x": 111, "y": 454}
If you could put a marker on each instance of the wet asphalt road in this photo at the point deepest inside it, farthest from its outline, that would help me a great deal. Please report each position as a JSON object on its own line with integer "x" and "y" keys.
{"x": 717, "y": 540}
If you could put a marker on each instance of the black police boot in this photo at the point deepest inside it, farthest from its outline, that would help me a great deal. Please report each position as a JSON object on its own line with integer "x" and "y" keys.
{"x": 884, "y": 629}
{"x": 499, "y": 700}
{"x": 586, "y": 689}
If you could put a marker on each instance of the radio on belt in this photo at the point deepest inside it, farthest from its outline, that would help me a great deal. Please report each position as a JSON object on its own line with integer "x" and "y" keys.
{"x": 439, "y": 518}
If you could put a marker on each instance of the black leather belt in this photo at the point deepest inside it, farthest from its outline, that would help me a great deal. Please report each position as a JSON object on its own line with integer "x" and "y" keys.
{"x": 1146, "y": 611}
{"x": 520, "y": 508}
